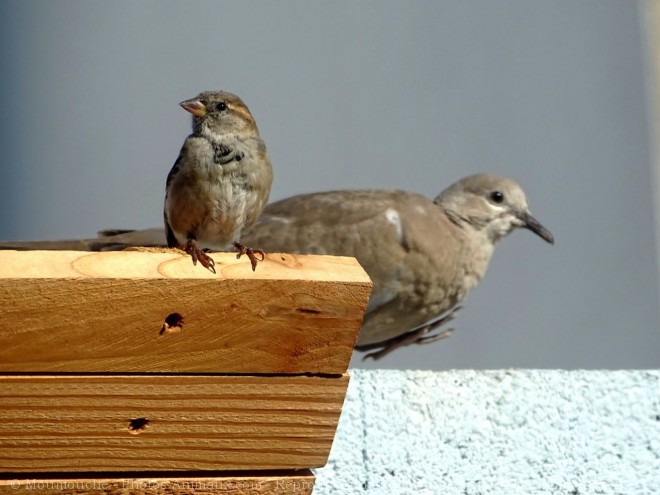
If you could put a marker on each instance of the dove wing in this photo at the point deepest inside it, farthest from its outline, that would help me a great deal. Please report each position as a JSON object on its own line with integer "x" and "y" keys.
{"x": 390, "y": 232}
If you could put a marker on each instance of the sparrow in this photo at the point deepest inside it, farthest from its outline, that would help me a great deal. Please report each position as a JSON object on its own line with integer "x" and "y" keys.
{"x": 220, "y": 183}
{"x": 423, "y": 255}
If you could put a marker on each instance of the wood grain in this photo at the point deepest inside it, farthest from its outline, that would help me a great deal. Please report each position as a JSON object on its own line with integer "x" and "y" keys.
{"x": 93, "y": 423}
{"x": 285, "y": 483}
{"x": 71, "y": 311}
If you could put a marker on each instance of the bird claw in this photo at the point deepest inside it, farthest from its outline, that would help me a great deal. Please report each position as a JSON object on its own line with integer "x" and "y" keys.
{"x": 250, "y": 253}
{"x": 429, "y": 339}
{"x": 417, "y": 335}
{"x": 198, "y": 254}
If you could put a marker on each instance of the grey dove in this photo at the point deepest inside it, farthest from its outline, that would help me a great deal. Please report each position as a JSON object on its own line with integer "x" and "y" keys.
{"x": 424, "y": 256}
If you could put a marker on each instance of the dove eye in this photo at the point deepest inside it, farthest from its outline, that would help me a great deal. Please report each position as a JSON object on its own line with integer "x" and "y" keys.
{"x": 221, "y": 107}
{"x": 497, "y": 197}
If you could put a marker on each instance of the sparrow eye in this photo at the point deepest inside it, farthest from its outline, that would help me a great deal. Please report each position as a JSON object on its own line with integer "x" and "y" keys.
{"x": 497, "y": 197}
{"x": 221, "y": 107}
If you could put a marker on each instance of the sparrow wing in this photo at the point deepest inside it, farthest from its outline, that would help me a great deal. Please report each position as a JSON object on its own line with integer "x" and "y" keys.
{"x": 169, "y": 233}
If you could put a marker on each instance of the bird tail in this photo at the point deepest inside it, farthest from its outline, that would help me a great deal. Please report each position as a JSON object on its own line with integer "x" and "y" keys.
{"x": 107, "y": 240}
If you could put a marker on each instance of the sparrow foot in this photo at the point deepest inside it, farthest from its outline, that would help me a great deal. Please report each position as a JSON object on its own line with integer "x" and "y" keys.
{"x": 197, "y": 254}
{"x": 417, "y": 335}
{"x": 250, "y": 253}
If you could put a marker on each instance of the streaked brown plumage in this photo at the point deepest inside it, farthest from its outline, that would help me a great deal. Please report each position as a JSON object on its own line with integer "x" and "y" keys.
{"x": 220, "y": 183}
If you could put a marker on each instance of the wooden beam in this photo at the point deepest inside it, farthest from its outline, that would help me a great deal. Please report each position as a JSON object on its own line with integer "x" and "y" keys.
{"x": 86, "y": 423}
{"x": 71, "y": 311}
{"x": 285, "y": 483}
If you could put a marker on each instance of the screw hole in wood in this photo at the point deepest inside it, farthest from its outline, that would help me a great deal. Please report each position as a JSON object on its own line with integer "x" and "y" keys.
{"x": 137, "y": 425}
{"x": 173, "y": 323}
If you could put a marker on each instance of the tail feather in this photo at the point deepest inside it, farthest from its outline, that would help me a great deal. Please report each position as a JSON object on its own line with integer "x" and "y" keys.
{"x": 108, "y": 240}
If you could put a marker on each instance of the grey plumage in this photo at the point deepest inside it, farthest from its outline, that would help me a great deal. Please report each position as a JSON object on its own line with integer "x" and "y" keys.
{"x": 423, "y": 256}
{"x": 220, "y": 183}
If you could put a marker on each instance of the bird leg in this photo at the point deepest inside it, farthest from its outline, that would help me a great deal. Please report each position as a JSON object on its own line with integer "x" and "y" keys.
{"x": 418, "y": 335}
{"x": 197, "y": 254}
{"x": 250, "y": 253}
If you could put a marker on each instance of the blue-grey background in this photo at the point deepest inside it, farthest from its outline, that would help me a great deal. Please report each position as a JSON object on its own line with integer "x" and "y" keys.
{"x": 412, "y": 95}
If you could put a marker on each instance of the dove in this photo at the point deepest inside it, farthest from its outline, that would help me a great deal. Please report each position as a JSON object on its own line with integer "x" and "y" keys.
{"x": 424, "y": 255}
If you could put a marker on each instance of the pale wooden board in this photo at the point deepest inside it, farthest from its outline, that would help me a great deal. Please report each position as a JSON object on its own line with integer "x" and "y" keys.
{"x": 292, "y": 483}
{"x": 103, "y": 312}
{"x": 79, "y": 423}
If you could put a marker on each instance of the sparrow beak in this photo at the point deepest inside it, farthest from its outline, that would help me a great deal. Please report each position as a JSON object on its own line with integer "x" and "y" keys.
{"x": 196, "y": 107}
{"x": 531, "y": 223}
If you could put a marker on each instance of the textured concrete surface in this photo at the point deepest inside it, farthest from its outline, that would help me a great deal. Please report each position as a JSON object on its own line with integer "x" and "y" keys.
{"x": 497, "y": 432}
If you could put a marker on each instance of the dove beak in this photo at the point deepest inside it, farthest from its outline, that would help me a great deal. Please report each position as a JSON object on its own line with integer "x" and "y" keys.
{"x": 531, "y": 223}
{"x": 196, "y": 107}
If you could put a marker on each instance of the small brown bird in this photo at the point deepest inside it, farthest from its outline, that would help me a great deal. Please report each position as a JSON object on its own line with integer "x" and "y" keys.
{"x": 220, "y": 182}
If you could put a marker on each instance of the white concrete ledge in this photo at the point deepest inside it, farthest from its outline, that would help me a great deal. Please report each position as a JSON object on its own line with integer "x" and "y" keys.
{"x": 497, "y": 432}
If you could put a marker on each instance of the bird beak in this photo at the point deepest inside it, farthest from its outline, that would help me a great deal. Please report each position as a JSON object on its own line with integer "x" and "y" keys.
{"x": 196, "y": 107}
{"x": 531, "y": 223}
